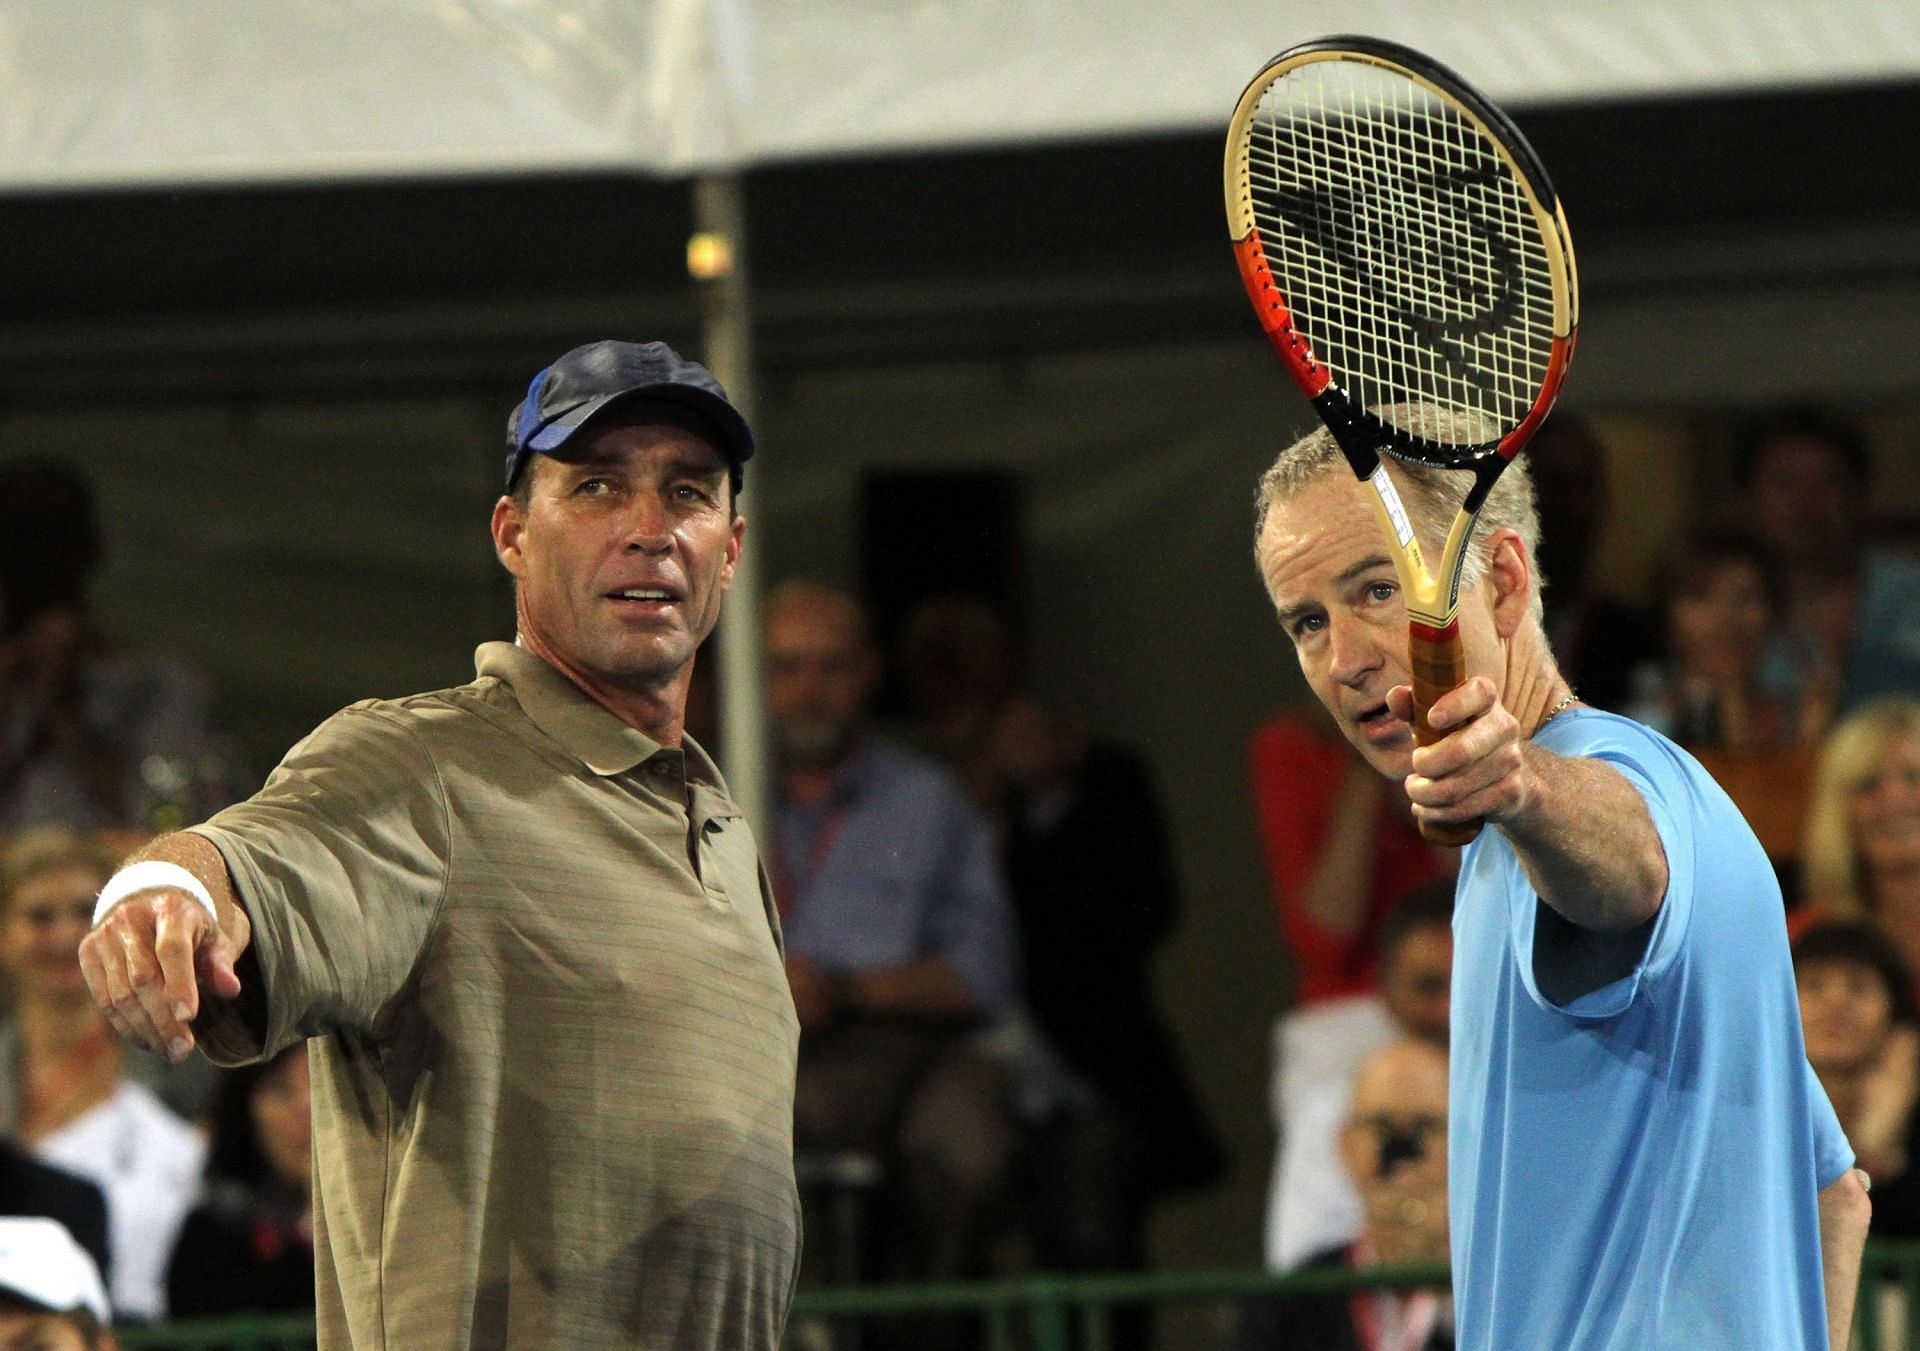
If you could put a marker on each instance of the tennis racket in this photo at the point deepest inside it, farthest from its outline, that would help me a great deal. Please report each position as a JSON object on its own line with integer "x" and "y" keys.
{"x": 1410, "y": 263}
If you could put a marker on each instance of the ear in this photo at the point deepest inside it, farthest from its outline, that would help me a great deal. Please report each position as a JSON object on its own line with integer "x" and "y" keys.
{"x": 508, "y": 527}
{"x": 1510, "y": 570}
{"x": 736, "y": 537}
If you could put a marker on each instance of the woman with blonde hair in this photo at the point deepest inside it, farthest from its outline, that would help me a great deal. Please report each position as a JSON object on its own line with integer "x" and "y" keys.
{"x": 1862, "y": 854}
{"x": 65, "y": 1090}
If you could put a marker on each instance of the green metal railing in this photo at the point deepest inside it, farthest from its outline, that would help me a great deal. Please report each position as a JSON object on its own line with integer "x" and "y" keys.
{"x": 1076, "y": 1313}
{"x": 224, "y": 1334}
{"x": 1888, "y": 1313}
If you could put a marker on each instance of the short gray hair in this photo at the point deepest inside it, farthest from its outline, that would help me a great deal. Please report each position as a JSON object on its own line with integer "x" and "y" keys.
{"x": 1432, "y": 496}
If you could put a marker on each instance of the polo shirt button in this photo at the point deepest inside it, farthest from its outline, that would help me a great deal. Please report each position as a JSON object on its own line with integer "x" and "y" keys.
{"x": 663, "y": 767}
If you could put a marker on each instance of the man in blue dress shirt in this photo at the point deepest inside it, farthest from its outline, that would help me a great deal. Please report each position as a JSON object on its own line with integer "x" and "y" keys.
{"x": 900, "y": 939}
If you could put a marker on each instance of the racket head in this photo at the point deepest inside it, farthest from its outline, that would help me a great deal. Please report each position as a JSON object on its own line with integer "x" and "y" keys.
{"x": 1403, "y": 247}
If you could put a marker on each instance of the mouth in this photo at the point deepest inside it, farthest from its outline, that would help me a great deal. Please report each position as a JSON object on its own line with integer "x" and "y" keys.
{"x": 645, "y": 600}
{"x": 1378, "y": 725}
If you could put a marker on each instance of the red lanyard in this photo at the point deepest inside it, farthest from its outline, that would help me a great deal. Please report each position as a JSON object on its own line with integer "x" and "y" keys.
{"x": 1419, "y": 1312}
{"x": 787, "y": 887}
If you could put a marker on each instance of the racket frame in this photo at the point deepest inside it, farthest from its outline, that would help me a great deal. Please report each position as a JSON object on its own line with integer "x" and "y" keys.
{"x": 1432, "y": 599}
{"x": 1437, "y": 660}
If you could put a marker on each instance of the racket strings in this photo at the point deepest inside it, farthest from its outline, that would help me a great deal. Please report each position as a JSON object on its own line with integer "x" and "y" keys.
{"x": 1411, "y": 259}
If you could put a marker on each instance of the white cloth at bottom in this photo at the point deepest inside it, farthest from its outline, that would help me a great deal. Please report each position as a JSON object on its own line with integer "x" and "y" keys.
{"x": 148, "y": 1162}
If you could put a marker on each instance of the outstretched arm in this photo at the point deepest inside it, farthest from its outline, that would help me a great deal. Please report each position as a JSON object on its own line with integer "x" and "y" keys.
{"x": 1580, "y": 829}
{"x": 152, "y": 957}
{"x": 1844, "y": 1214}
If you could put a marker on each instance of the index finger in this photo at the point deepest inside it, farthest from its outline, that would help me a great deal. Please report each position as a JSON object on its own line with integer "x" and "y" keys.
{"x": 1461, "y": 704}
{"x": 1473, "y": 737}
{"x": 177, "y": 936}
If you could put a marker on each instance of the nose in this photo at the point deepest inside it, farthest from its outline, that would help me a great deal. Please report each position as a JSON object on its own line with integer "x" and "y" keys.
{"x": 649, "y": 528}
{"x": 1354, "y": 651}
{"x": 70, "y": 931}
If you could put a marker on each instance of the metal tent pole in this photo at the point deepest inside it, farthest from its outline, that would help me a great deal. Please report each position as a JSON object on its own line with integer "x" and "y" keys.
{"x": 717, "y": 259}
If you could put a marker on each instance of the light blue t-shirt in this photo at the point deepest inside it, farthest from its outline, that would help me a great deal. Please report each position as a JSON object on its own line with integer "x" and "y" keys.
{"x": 1638, "y": 1168}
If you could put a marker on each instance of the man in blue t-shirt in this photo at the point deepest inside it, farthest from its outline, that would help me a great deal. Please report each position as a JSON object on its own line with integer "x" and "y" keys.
{"x": 1638, "y": 1153}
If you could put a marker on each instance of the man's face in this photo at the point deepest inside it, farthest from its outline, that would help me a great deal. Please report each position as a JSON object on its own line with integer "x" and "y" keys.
{"x": 1416, "y": 981}
{"x": 1719, "y": 621}
{"x": 1394, "y": 1148}
{"x": 1846, "y": 1014}
{"x": 820, "y": 674}
{"x": 1802, "y": 502}
{"x": 623, "y": 553}
{"x": 281, "y": 1106}
{"x": 41, "y": 925}
{"x": 1333, "y": 585}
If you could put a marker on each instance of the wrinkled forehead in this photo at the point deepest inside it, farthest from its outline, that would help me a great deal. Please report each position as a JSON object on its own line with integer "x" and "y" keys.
{"x": 1326, "y": 529}
{"x": 1402, "y": 1083}
{"x": 815, "y": 624}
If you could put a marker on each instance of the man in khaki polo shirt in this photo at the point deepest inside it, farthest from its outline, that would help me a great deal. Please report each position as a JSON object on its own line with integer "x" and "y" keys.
{"x": 553, "y": 1086}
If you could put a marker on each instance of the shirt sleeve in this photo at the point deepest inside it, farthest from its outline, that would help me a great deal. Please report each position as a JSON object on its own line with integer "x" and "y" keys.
{"x": 973, "y": 923}
{"x": 1668, "y": 801}
{"x": 1832, "y": 1153}
{"x": 340, "y": 862}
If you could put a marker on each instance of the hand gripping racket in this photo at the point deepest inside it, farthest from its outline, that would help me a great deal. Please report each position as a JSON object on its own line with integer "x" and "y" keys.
{"x": 1411, "y": 265}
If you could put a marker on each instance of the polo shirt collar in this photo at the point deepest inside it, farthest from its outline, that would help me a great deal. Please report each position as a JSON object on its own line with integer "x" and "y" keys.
{"x": 564, "y": 711}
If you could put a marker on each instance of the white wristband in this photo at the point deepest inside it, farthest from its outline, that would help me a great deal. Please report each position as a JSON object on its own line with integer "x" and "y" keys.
{"x": 145, "y": 876}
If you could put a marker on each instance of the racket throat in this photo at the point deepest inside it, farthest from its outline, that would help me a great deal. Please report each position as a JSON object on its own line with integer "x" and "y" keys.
{"x": 1424, "y": 601}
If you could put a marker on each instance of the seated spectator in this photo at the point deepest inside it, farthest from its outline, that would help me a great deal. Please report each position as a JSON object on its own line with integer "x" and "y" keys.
{"x": 1712, "y": 693}
{"x": 1852, "y": 610}
{"x": 64, "y": 1091}
{"x": 1712, "y": 689}
{"x": 900, "y": 942}
{"x": 1341, "y": 847}
{"x": 960, "y": 667}
{"x": 89, "y": 736}
{"x": 1090, "y": 870}
{"x": 1862, "y": 853}
{"x": 32, "y": 1189}
{"x": 248, "y": 1246}
{"x": 1863, "y": 1040}
{"x": 51, "y": 1296}
{"x": 1393, "y": 1151}
{"x": 1311, "y": 1204}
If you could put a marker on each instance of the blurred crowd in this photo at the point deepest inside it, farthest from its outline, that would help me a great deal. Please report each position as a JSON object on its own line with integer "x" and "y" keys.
{"x": 974, "y": 885}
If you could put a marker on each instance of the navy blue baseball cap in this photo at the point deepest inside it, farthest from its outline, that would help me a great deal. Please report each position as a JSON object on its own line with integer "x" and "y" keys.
{"x": 588, "y": 380}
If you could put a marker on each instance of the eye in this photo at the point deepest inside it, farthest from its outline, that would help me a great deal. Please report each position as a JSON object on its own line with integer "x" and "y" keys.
{"x": 1308, "y": 625}
{"x": 592, "y": 487}
{"x": 692, "y": 492}
{"x": 1382, "y": 592}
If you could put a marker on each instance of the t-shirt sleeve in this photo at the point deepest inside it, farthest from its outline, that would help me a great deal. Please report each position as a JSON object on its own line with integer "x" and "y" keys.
{"x": 1832, "y": 1153}
{"x": 1645, "y": 766}
{"x": 340, "y": 862}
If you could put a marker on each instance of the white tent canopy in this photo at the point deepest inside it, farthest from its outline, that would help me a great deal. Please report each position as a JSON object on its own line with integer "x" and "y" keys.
{"x": 102, "y": 93}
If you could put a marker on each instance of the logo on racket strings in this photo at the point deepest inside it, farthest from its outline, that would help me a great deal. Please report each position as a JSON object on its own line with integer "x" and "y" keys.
{"x": 1423, "y": 248}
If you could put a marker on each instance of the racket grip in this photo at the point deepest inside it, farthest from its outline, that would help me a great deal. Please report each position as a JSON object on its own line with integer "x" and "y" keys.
{"x": 1439, "y": 665}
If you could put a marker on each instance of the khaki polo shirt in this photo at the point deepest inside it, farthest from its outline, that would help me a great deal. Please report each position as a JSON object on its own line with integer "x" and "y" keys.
{"x": 553, "y": 1091}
